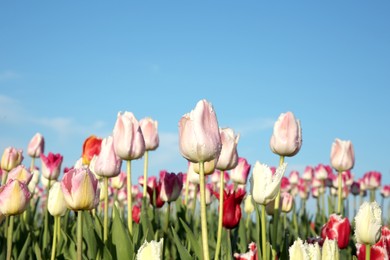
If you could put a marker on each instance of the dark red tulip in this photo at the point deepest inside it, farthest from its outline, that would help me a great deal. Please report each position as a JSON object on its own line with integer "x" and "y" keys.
{"x": 231, "y": 208}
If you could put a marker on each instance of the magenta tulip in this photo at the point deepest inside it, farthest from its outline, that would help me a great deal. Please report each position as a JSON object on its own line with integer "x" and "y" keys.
{"x": 51, "y": 165}
{"x": 171, "y": 186}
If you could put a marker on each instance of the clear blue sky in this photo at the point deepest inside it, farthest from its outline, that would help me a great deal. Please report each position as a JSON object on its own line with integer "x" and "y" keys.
{"x": 68, "y": 67}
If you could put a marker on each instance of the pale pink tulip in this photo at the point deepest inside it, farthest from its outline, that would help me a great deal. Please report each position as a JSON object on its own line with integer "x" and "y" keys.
{"x": 119, "y": 181}
{"x": 372, "y": 180}
{"x": 240, "y": 173}
{"x": 308, "y": 173}
{"x": 294, "y": 177}
{"x": 228, "y": 157}
{"x": 107, "y": 164}
{"x": 320, "y": 172}
{"x": 11, "y": 158}
{"x": 286, "y": 139}
{"x": 385, "y": 191}
{"x": 14, "y": 198}
{"x": 51, "y": 165}
{"x": 36, "y": 146}
{"x": 129, "y": 143}
{"x": 192, "y": 176}
{"x": 20, "y": 173}
{"x": 149, "y": 129}
{"x": 342, "y": 156}
{"x": 199, "y": 137}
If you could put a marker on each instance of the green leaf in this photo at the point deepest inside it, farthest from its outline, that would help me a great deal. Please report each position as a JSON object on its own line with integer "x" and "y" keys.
{"x": 91, "y": 238}
{"x": 242, "y": 236}
{"x": 121, "y": 238}
{"x": 147, "y": 227}
{"x": 184, "y": 254}
{"x": 194, "y": 242}
{"x": 23, "y": 252}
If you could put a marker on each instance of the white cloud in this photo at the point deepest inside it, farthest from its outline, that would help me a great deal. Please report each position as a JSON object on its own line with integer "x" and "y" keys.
{"x": 8, "y": 75}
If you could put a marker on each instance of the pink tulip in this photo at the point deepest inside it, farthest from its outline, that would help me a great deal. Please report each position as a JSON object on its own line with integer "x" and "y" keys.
{"x": 21, "y": 174}
{"x": 149, "y": 131}
{"x": 107, "y": 164}
{"x": 228, "y": 157}
{"x": 250, "y": 255}
{"x": 199, "y": 137}
{"x": 308, "y": 173}
{"x": 240, "y": 173}
{"x": 36, "y": 146}
{"x": 320, "y": 172}
{"x": 342, "y": 156}
{"x": 119, "y": 181}
{"x": 80, "y": 188}
{"x": 171, "y": 186}
{"x": 11, "y": 158}
{"x": 303, "y": 189}
{"x": 372, "y": 180}
{"x": 294, "y": 177}
{"x": 285, "y": 185}
{"x": 14, "y": 198}
{"x": 151, "y": 183}
{"x": 129, "y": 142}
{"x": 51, "y": 165}
{"x": 385, "y": 191}
{"x": 192, "y": 176}
{"x": 286, "y": 139}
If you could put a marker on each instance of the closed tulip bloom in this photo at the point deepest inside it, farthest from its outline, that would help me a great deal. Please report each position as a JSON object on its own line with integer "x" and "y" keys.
{"x": 107, "y": 164}
{"x": 199, "y": 138}
{"x": 355, "y": 188}
{"x": 342, "y": 155}
{"x": 285, "y": 185}
{"x": 56, "y": 203}
{"x": 385, "y": 191}
{"x": 14, "y": 198}
{"x": 240, "y": 173}
{"x": 129, "y": 141}
{"x": 36, "y": 146}
{"x": 51, "y": 165}
{"x": 372, "y": 179}
{"x": 320, "y": 172}
{"x": 150, "y": 250}
{"x": 20, "y": 173}
{"x": 149, "y": 128}
{"x": 337, "y": 228}
{"x": 231, "y": 208}
{"x": 294, "y": 177}
{"x": 308, "y": 173}
{"x": 192, "y": 176}
{"x": 298, "y": 251}
{"x": 171, "y": 186}
{"x": 248, "y": 204}
{"x": 303, "y": 189}
{"x": 155, "y": 195}
{"x": 11, "y": 158}
{"x": 80, "y": 188}
{"x": 208, "y": 167}
{"x": 136, "y": 213}
{"x": 330, "y": 250}
{"x": 265, "y": 185}
{"x": 119, "y": 181}
{"x": 228, "y": 157}
{"x": 286, "y": 203}
{"x": 368, "y": 223}
{"x": 286, "y": 139}
{"x": 91, "y": 147}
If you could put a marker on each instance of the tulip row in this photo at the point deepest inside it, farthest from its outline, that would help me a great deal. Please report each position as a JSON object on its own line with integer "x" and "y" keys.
{"x": 95, "y": 211}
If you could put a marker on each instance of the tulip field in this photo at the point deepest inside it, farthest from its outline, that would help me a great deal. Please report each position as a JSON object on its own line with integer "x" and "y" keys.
{"x": 222, "y": 207}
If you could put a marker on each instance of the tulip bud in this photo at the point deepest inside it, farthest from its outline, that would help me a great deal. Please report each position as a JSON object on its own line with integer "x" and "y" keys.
{"x": 239, "y": 174}
{"x": 11, "y": 158}
{"x": 330, "y": 250}
{"x": 372, "y": 180}
{"x": 192, "y": 176}
{"x": 36, "y": 146}
{"x": 248, "y": 204}
{"x": 91, "y": 147}
{"x": 136, "y": 213}
{"x": 149, "y": 131}
{"x": 369, "y": 223}
{"x": 51, "y": 165}
{"x": 308, "y": 173}
{"x": 119, "y": 181}
{"x": 20, "y": 173}
{"x": 208, "y": 167}
{"x": 56, "y": 203}
{"x": 171, "y": 186}
{"x": 107, "y": 163}
{"x": 338, "y": 229}
{"x": 231, "y": 208}
{"x": 342, "y": 156}
{"x": 14, "y": 198}
{"x": 150, "y": 250}
{"x": 286, "y": 138}
{"x": 385, "y": 191}
{"x": 320, "y": 172}
{"x": 228, "y": 157}
{"x": 294, "y": 177}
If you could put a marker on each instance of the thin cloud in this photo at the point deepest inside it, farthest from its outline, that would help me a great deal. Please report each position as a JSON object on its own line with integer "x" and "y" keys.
{"x": 254, "y": 125}
{"x": 8, "y": 75}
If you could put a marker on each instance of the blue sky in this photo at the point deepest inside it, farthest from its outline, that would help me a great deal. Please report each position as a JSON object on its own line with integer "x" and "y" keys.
{"x": 68, "y": 67}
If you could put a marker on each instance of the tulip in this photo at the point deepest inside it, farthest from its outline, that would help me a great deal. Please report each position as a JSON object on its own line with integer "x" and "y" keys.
{"x": 302, "y": 251}
{"x": 286, "y": 138}
{"x": 80, "y": 188}
{"x": 51, "y": 165}
{"x": 248, "y": 204}
{"x": 20, "y": 173}
{"x": 150, "y": 133}
{"x": 385, "y": 191}
{"x": 250, "y": 255}
{"x": 150, "y": 250}
{"x": 228, "y": 157}
{"x": 320, "y": 172}
{"x": 264, "y": 185}
{"x": 308, "y": 173}
{"x": 342, "y": 156}
{"x": 171, "y": 186}
{"x": 192, "y": 176}
{"x": 372, "y": 179}
{"x": 107, "y": 164}
{"x": 136, "y": 213}
{"x": 294, "y": 177}
{"x": 381, "y": 250}
{"x": 56, "y": 202}
{"x": 231, "y": 208}
{"x": 355, "y": 188}
{"x": 118, "y": 182}
{"x": 285, "y": 203}
{"x": 155, "y": 195}
{"x": 285, "y": 185}
{"x": 91, "y": 147}
{"x": 368, "y": 223}
{"x": 337, "y": 228}
{"x": 14, "y": 197}
{"x": 11, "y": 158}
{"x": 240, "y": 173}
{"x": 303, "y": 189}
{"x": 330, "y": 251}
{"x": 36, "y": 146}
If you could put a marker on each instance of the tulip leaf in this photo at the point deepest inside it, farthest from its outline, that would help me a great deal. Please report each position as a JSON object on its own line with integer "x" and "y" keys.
{"x": 92, "y": 240}
{"x": 147, "y": 227}
{"x": 23, "y": 252}
{"x": 194, "y": 242}
{"x": 242, "y": 234}
{"x": 184, "y": 254}
{"x": 121, "y": 238}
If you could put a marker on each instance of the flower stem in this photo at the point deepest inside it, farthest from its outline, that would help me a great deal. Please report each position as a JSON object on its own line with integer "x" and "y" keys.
{"x": 4, "y": 178}
{"x": 129, "y": 198}
{"x": 263, "y": 234}
{"x": 46, "y": 220}
{"x": 203, "y": 219}
{"x": 247, "y": 222}
{"x": 32, "y": 163}
{"x": 167, "y": 215}
{"x": 220, "y": 215}
{"x": 105, "y": 224}
{"x": 9, "y": 237}
{"x": 58, "y": 227}
{"x": 276, "y": 214}
{"x": 229, "y": 242}
{"x": 79, "y": 235}
{"x": 186, "y": 191}
{"x": 368, "y": 252}
{"x": 372, "y": 195}
{"x": 53, "y": 248}
{"x": 146, "y": 162}
{"x": 340, "y": 194}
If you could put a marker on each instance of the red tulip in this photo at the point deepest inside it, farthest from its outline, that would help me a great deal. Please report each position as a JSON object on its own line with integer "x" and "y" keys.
{"x": 231, "y": 208}
{"x": 136, "y": 213}
{"x": 91, "y": 147}
{"x": 337, "y": 228}
{"x": 381, "y": 250}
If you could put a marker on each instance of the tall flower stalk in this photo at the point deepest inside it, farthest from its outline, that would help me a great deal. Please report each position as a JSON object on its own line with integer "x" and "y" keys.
{"x": 203, "y": 215}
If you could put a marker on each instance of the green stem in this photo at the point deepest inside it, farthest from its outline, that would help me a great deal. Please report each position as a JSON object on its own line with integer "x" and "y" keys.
{"x": 187, "y": 190}
{"x": 46, "y": 224}
{"x": 340, "y": 194}
{"x": 229, "y": 243}
{"x": 4, "y": 178}
{"x": 203, "y": 219}
{"x": 220, "y": 215}
{"x": 276, "y": 214}
{"x": 368, "y": 252}
{"x": 32, "y": 163}
{"x": 53, "y": 248}
{"x": 9, "y": 237}
{"x": 79, "y": 235}
{"x": 146, "y": 162}
{"x": 263, "y": 233}
{"x": 129, "y": 198}
{"x": 372, "y": 195}
{"x": 58, "y": 227}
{"x": 105, "y": 223}
{"x": 167, "y": 215}
{"x": 247, "y": 222}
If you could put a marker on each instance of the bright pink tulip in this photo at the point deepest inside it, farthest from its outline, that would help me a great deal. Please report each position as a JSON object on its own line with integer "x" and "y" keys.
{"x": 136, "y": 213}
{"x": 385, "y": 191}
{"x": 372, "y": 180}
{"x": 91, "y": 147}
{"x": 11, "y": 158}
{"x": 285, "y": 185}
{"x": 129, "y": 141}
{"x": 286, "y": 139}
{"x": 51, "y": 165}
{"x": 20, "y": 173}
{"x": 14, "y": 198}
{"x": 171, "y": 186}
{"x": 231, "y": 208}
{"x": 228, "y": 157}
{"x": 36, "y": 146}
{"x": 240, "y": 173}
{"x": 308, "y": 173}
{"x": 303, "y": 189}
{"x": 294, "y": 177}
{"x": 199, "y": 137}
{"x": 337, "y": 228}
{"x": 320, "y": 172}
{"x": 149, "y": 129}
{"x": 107, "y": 164}
{"x": 250, "y": 255}
{"x": 80, "y": 188}
{"x": 342, "y": 155}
